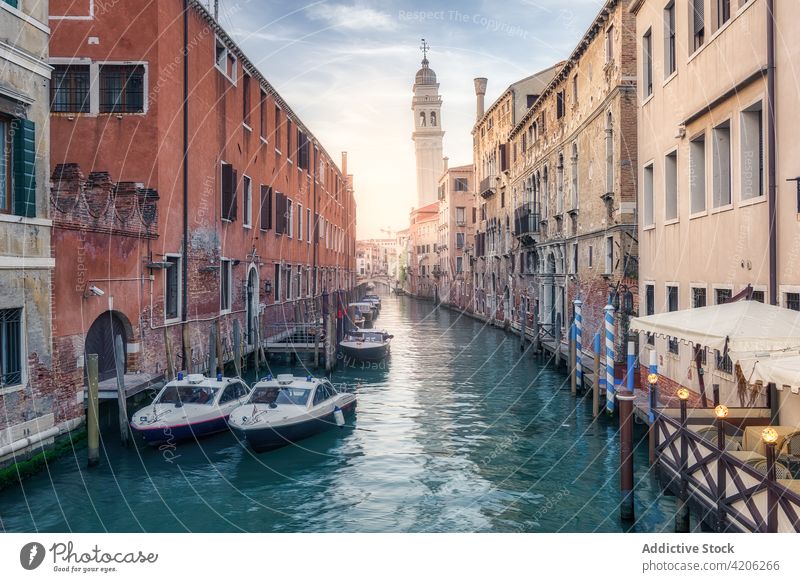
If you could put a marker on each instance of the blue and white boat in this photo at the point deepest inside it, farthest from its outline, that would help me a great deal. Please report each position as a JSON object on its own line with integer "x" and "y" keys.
{"x": 189, "y": 407}
{"x": 287, "y": 409}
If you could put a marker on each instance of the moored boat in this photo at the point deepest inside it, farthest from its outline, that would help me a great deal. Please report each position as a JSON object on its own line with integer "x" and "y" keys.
{"x": 288, "y": 408}
{"x": 366, "y": 310}
{"x": 189, "y": 407}
{"x": 366, "y": 345}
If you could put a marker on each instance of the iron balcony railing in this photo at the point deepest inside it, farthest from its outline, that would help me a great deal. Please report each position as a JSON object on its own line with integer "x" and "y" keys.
{"x": 487, "y": 186}
{"x": 526, "y": 220}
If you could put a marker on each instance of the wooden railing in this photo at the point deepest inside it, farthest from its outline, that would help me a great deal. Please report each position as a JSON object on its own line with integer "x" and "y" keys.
{"x": 733, "y": 494}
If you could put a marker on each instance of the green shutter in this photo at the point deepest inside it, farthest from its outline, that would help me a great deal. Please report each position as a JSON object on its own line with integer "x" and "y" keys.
{"x": 12, "y": 3}
{"x": 24, "y": 157}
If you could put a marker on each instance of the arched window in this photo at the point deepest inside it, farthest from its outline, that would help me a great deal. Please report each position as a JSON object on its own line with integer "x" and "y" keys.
{"x": 560, "y": 184}
{"x": 433, "y": 119}
{"x": 609, "y": 154}
{"x": 545, "y": 193}
{"x": 422, "y": 119}
{"x": 574, "y": 176}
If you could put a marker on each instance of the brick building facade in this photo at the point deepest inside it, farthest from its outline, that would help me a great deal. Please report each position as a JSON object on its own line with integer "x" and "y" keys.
{"x": 256, "y": 224}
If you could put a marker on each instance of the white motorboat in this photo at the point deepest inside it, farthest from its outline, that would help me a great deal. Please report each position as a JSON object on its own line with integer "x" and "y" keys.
{"x": 366, "y": 310}
{"x": 288, "y": 408}
{"x": 189, "y": 407}
{"x": 374, "y": 299}
{"x": 366, "y": 345}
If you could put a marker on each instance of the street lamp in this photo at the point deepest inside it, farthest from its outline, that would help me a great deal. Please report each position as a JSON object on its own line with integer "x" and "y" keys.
{"x": 769, "y": 436}
{"x": 682, "y": 516}
{"x": 721, "y": 412}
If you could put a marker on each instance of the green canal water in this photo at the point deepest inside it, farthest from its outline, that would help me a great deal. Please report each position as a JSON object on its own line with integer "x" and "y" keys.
{"x": 458, "y": 431}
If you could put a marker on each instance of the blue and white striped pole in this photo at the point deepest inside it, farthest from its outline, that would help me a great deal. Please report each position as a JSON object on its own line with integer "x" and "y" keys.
{"x": 578, "y": 345}
{"x": 610, "y": 388}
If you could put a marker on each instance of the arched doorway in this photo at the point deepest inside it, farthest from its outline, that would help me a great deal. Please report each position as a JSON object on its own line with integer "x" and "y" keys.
{"x": 100, "y": 340}
{"x": 252, "y": 303}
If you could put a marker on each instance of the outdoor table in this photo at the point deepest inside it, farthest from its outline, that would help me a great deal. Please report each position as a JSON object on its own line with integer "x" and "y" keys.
{"x": 751, "y": 440}
{"x": 748, "y": 457}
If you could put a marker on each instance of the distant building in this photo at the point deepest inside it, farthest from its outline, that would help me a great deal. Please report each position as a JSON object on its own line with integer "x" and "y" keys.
{"x": 426, "y": 106}
{"x": 494, "y": 240}
{"x": 456, "y": 234}
{"x": 423, "y": 234}
{"x": 36, "y": 403}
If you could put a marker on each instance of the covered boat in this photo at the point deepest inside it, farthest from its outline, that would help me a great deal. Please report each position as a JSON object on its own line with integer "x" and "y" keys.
{"x": 366, "y": 310}
{"x": 366, "y": 345}
{"x": 189, "y": 407}
{"x": 288, "y": 408}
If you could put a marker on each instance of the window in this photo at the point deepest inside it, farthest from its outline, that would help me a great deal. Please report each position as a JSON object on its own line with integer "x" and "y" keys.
{"x": 229, "y": 210}
{"x": 225, "y": 61}
{"x": 590, "y": 264}
{"x": 722, "y": 164}
{"x": 697, "y": 24}
{"x": 647, "y": 63}
{"x": 699, "y": 297}
{"x": 461, "y": 216}
{"x": 671, "y": 186}
{"x": 672, "y": 305}
{"x": 669, "y": 39}
{"x": 308, "y": 225}
{"x": 792, "y": 301}
{"x": 262, "y": 109}
{"x": 69, "y": 89}
{"x": 723, "y": 362}
{"x": 172, "y": 286}
{"x": 433, "y": 119}
{"x": 560, "y": 104}
{"x": 560, "y": 185}
{"x": 266, "y": 207}
{"x": 247, "y": 195}
{"x": 289, "y": 153}
{"x": 303, "y": 157}
{"x": 722, "y": 296}
{"x": 276, "y": 285}
{"x": 609, "y": 153}
{"x": 574, "y": 189}
{"x": 752, "y": 152}
{"x": 225, "y": 284}
{"x": 459, "y": 264}
{"x": 759, "y": 296}
{"x": 121, "y": 88}
{"x": 609, "y": 44}
{"x": 246, "y": 108}
{"x": 650, "y": 308}
{"x": 459, "y": 240}
{"x": 277, "y": 128}
{"x": 17, "y": 166}
{"x": 287, "y": 282}
{"x": 299, "y": 222}
{"x": 647, "y": 193}
{"x": 697, "y": 174}
{"x": 723, "y": 12}
{"x": 461, "y": 185}
{"x": 10, "y": 347}
{"x": 609, "y": 254}
{"x": 574, "y": 262}
{"x": 289, "y": 218}
{"x": 575, "y": 88}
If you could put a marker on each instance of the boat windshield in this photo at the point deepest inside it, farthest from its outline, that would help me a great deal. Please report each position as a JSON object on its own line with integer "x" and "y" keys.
{"x": 264, "y": 394}
{"x": 187, "y": 394}
{"x": 297, "y": 396}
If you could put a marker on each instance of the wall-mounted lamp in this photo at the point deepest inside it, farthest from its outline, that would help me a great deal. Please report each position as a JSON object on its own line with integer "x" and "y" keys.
{"x": 267, "y": 286}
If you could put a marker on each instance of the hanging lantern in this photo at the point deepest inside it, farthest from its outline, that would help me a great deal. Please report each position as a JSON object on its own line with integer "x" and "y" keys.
{"x": 627, "y": 301}
{"x": 613, "y": 298}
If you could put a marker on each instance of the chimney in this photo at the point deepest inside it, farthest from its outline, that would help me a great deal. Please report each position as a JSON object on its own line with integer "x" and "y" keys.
{"x": 344, "y": 163}
{"x": 480, "y": 93}
{"x": 445, "y": 162}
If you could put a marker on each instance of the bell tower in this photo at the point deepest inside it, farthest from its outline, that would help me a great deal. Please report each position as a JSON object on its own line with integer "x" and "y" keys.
{"x": 426, "y": 106}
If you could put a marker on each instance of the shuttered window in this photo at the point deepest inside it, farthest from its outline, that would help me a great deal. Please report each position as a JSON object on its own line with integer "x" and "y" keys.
{"x": 24, "y": 162}
{"x": 172, "y": 287}
{"x": 266, "y": 207}
{"x": 228, "y": 192}
{"x": 280, "y": 213}
{"x": 698, "y": 24}
{"x": 10, "y": 347}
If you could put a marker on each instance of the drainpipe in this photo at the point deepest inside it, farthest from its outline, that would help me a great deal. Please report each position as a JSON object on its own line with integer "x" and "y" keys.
{"x": 185, "y": 251}
{"x": 772, "y": 184}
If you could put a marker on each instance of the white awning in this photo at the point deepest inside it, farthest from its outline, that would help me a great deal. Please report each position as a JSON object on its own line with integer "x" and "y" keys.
{"x": 783, "y": 371}
{"x": 751, "y": 330}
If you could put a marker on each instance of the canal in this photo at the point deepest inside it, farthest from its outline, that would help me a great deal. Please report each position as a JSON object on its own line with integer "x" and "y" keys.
{"x": 458, "y": 431}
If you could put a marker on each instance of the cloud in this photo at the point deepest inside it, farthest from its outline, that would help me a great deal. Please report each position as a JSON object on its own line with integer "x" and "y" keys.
{"x": 351, "y": 17}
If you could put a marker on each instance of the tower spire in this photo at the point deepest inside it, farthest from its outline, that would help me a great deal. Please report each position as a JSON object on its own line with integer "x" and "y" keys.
{"x": 424, "y": 47}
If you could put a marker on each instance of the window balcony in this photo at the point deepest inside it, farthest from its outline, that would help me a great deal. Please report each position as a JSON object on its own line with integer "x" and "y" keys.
{"x": 526, "y": 223}
{"x": 487, "y": 186}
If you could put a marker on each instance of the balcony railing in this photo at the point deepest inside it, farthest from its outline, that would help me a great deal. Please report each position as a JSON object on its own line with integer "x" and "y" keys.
{"x": 526, "y": 221}
{"x": 487, "y": 186}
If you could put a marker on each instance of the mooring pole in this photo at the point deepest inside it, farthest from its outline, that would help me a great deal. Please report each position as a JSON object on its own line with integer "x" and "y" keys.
{"x": 630, "y": 366}
{"x": 682, "y": 515}
{"x": 212, "y": 351}
{"x": 652, "y": 383}
{"x": 597, "y": 375}
{"x": 609, "y": 327}
{"x": 237, "y": 347}
{"x": 170, "y": 366}
{"x": 119, "y": 360}
{"x": 92, "y": 413}
{"x": 626, "y": 505}
{"x": 578, "y": 346}
{"x": 573, "y": 373}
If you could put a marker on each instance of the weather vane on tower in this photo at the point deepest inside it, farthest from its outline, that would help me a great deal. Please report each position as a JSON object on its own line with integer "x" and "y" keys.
{"x": 424, "y": 47}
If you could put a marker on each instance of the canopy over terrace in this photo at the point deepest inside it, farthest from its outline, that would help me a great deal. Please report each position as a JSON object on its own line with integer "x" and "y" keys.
{"x": 746, "y": 330}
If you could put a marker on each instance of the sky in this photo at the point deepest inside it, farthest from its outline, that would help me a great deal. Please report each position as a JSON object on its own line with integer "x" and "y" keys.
{"x": 347, "y": 69}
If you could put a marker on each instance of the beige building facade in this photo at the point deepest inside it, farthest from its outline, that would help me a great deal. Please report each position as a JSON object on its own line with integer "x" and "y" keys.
{"x": 709, "y": 161}
{"x": 456, "y": 233}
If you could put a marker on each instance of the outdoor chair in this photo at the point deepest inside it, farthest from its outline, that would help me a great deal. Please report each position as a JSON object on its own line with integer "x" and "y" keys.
{"x": 781, "y": 471}
{"x": 791, "y": 444}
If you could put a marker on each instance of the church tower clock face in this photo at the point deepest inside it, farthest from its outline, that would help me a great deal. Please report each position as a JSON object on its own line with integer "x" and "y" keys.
{"x": 426, "y": 106}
